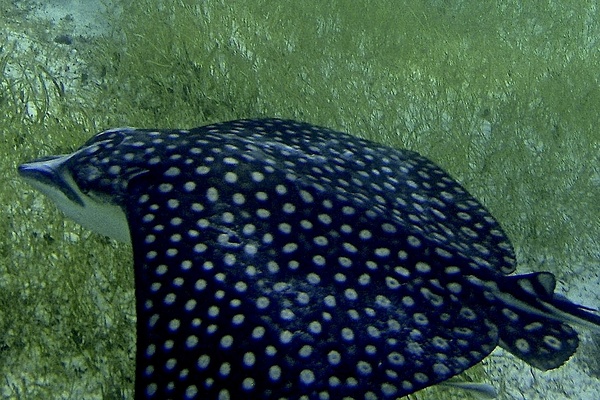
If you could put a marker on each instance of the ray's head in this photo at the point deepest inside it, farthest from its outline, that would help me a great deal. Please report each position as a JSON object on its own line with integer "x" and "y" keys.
{"x": 90, "y": 184}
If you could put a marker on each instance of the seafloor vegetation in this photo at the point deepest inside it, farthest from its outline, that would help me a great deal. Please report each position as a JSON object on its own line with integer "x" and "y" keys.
{"x": 503, "y": 95}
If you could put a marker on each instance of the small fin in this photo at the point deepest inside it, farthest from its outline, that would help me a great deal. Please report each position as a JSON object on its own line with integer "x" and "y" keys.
{"x": 539, "y": 284}
{"x": 477, "y": 389}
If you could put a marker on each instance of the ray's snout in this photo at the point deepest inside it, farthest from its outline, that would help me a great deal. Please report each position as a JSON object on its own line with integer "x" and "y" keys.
{"x": 47, "y": 174}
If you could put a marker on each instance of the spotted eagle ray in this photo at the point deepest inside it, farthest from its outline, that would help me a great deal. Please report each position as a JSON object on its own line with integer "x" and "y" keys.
{"x": 280, "y": 260}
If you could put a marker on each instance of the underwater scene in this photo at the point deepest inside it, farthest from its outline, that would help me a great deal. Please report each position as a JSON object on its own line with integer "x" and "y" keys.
{"x": 300, "y": 200}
